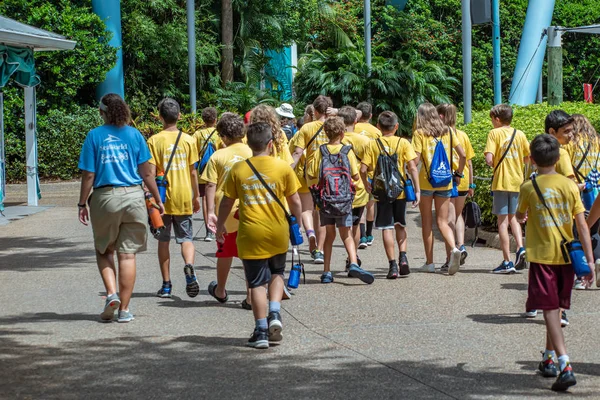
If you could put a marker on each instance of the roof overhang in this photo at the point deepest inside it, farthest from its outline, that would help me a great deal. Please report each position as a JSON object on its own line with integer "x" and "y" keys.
{"x": 16, "y": 34}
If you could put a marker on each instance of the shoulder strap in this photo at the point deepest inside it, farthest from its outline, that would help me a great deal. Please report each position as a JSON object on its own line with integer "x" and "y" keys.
{"x": 512, "y": 139}
{"x": 312, "y": 139}
{"x": 206, "y": 143}
{"x": 262, "y": 181}
{"x": 345, "y": 149}
{"x": 172, "y": 154}
{"x": 451, "y": 153}
{"x": 578, "y": 174}
{"x": 380, "y": 144}
{"x": 541, "y": 197}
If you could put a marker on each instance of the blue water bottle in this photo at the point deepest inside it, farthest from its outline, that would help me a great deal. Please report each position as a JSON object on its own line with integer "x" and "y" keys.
{"x": 294, "y": 279}
{"x": 409, "y": 191}
{"x": 295, "y": 234}
{"x": 587, "y": 196}
{"x": 454, "y": 192}
{"x": 578, "y": 260}
{"x": 162, "y": 184}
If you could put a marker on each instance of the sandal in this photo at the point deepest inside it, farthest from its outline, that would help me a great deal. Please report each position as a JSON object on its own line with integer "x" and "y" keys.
{"x": 211, "y": 290}
{"x": 246, "y": 305}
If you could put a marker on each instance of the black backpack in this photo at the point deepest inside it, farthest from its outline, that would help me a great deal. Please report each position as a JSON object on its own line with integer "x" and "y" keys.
{"x": 388, "y": 182}
{"x": 472, "y": 216}
{"x": 335, "y": 189}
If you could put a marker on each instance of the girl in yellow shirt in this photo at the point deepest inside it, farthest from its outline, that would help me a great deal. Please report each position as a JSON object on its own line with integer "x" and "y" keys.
{"x": 264, "y": 113}
{"x": 428, "y": 130}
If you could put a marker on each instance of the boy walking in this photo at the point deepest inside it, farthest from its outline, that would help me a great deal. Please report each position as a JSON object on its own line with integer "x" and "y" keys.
{"x": 182, "y": 196}
{"x": 329, "y": 157}
{"x": 391, "y": 216}
{"x": 205, "y": 137}
{"x": 231, "y": 131}
{"x": 263, "y": 235}
{"x": 550, "y": 274}
{"x": 507, "y": 151}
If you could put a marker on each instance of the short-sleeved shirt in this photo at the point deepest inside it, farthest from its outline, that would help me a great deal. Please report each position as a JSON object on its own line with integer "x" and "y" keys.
{"x": 509, "y": 175}
{"x": 368, "y": 130}
{"x": 299, "y": 169}
{"x": 216, "y": 172}
{"x": 542, "y": 237}
{"x": 285, "y": 153}
{"x": 179, "y": 191}
{"x": 304, "y": 136}
{"x": 577, "y": 151}
{"x": 360, "y": 147}
{"x": 113, "y": 154}
{"x": 425, "y": 145}
{"x": 465, "y": 142}
{"x": 563, "y": 166}
{"x": 314, "y": 162}
{"x": 393, "y": 145}
{"x": 263, "y": 229}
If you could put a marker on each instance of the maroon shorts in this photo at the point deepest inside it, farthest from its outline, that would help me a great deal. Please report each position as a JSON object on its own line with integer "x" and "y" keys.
{"x": 202, "y": 189}
{"x": 550, "y": 286}
{"x": 228, "y": 248}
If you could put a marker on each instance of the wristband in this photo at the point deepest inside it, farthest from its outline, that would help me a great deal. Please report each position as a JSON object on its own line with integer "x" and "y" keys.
{"x": 472, "y": 186}
{"x": 81, "y": 205}
{"x": 459, "y": 175}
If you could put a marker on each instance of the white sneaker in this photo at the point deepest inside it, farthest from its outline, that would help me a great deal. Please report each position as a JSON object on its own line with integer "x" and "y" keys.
{"x": 428, "y": 268}
{"x": 598, "y": 272}
{"x": 579, "y": 285}
{"x": 531, "y": 314}
{"x": 454, "y": 264}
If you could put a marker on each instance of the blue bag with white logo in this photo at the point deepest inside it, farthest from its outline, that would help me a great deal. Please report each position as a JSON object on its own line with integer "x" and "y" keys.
{"x": 205, "y": 153}
{"x": 440, "y": 170}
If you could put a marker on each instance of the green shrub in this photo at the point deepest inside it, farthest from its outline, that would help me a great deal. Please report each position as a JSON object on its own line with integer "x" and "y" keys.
{"x": 530, "y": 120}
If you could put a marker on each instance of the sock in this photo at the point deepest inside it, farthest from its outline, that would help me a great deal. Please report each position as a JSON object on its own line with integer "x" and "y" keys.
{"x": 362, "y": 231}
{"x": 274, "y": 306}
{"x": 369, "y": 228}
{"x": 549, "y": 354}
{"x": 563, "y": 361}
{"x": 310, "y": 233}
{"x": 166, "y": 283}
{"x": 262, "y": 324}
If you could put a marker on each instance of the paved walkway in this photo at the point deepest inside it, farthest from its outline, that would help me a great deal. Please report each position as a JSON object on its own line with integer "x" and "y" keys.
{"x": 425, "y": 337}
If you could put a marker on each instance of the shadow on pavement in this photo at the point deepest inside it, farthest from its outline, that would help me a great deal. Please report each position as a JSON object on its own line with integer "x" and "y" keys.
{"x": 502, "y": 319}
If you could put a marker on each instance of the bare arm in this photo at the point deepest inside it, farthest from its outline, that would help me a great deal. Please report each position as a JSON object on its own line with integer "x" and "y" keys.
{"x": 295, "y": 206}
{"x": 296, "y": 155}
{"x": 521, "y": 217}
{"x": 586, "y": 242}
{"x": 194, "y": 176}
{"x": 414, "y": 173}
{"x": 594, "y": 213}
{"x": 211, "y": 189}
{"x": 471, "y": 177}
{"x": 363, "y": 175}
{"x": 489, "y": 159}
{"x": 147, "y": 172}
{"x": 224, "y": 210}
{"x": 87, "y": 181}
{"x": 462, "y": 158}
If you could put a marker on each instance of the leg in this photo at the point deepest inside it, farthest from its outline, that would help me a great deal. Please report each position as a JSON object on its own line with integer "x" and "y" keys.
{"x": 205, "y": 214}
{"x": 504, "y": 238}
{"x": 259, "y": 301}
{"x": 516, "y": 230}
{"x": 459, "y": 205}
{"x": 188, "y": 252}
{"x": 442, "y": 210}
{"x": 127, "y": 270}
{"x": 108, "y": 272}
{"x": 427, "y": 226}
{"x": 555, "y": 333}
{"x": 328, "y": 240}
{"x": 388, "y": 244}
{"x": 401, "y": 237}
{"x": 348, "y": 244}
{"x": 451, "y": 223}
{"x": 321, "y": 233}
{"x": 307, "y": 219}
{"x": 164, "y": 259}
{"x": 223, "y": 268}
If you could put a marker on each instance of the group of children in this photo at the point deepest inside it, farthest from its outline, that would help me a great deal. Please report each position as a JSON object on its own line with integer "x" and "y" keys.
{"x": 339, "y": 171}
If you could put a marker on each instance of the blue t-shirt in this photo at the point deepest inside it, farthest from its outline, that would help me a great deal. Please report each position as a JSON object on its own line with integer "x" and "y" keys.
{"x": 113, "y": 155}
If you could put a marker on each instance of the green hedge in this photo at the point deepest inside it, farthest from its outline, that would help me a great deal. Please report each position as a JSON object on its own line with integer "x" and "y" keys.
{"x": 530, "y": 120}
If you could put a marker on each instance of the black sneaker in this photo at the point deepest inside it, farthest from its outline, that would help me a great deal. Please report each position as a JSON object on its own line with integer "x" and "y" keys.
{"x": 404, "y": 269}
{"x": 565, "y": 380}
{"x": 191, "y": 288}
{"x": 564, "y": 321}
{"x": 521, "y": 261}
{"x": 393, "y": 272}
{"x": 548, "y": 368}
{"x": 275, "y": 327}
{"x": 259, "y": 339}
{"x": 165, "y": 292}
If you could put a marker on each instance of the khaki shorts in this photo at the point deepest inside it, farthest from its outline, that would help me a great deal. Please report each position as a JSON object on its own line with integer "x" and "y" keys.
{"x": 119, "y": 219}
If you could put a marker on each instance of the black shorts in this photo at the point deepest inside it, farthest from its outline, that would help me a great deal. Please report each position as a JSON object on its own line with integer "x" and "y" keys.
{"x": 202, "y": 189}
{"x": 391, "y": 214}
{"x": 463, "y": 194}
{"x": 259, "y": 272}
{"x": 357, "y": 215}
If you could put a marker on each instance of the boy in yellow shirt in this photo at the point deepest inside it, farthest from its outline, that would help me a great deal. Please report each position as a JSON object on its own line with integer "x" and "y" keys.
{"x": 207, "y": 134}
{"x": 231, "y": 132}
{"x": 560, "y": 125}
{"x": 263, "y": 236}
{"x": 508, "y": 160}
{"x": 550, "y": 274}
{"x": 391, "y": 217}
{"x": 347, "y": 167}
{"x": 182, "y": 196}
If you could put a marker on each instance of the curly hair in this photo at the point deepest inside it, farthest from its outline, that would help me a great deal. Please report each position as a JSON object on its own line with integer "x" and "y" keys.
{"x": 264, "y": 113}
{"x": 115, "y": 110}
{"x": 231, "y": 126}
{"x": 428, "y": 121}
{"x": 334, "y": 127}
{"x": 310, "y": 111}
{"x": 209, "y": 115}
{"x": 583, "y": 130}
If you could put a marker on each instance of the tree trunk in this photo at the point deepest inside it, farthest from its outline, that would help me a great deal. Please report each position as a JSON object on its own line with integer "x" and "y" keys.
{"x": 227, "y": 41}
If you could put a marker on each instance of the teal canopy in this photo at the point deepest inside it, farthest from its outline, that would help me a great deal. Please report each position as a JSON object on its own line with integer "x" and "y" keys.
{"x": 18, "y": 63}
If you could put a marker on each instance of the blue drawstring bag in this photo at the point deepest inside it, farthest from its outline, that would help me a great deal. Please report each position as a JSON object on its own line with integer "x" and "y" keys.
{"x": 440, "y": 173}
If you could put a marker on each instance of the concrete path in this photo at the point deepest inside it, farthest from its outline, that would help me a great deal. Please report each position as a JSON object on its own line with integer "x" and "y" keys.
{"x": 425, "y": 337}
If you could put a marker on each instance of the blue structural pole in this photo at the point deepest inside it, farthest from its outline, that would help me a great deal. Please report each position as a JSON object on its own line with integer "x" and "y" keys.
{"x": 496, "y": 50}
{"x": 467, "y": 61}
{"x": 110, "y": 12}
{"x": 531, "y": 53}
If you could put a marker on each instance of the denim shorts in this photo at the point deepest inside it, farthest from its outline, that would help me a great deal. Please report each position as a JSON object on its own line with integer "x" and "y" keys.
{"x": 505, "y": 203}
{"x": 437, "y": 193}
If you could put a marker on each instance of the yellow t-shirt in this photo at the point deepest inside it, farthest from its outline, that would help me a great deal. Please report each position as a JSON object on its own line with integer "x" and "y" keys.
{"x": 263, "y": 230}
{"x": 217, "y": 170}
{"x": 576, "y": 152}
{"x": 425, "y": 145}
{"x": 542, "y": 237}
{"x": 304, "y": 135}
{"x": 299, "y": 170}
{"x": 465, "y": 142}
{"x": 393, "y": 145}
{"x": 179, "y": 191}
{"x": 360, "y": 147}
{"x": 509, "y": 175}
{"x": 285, "y": 153}
{"x": 563, "y": 166}
{"x": 201, "y": 136}
{"x": 368, "y": 130}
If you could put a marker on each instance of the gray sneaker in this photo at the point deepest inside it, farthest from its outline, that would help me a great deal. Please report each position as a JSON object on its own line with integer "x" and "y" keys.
{"x": 125, "y": 316}
{"x": 110, "y": 306}
{"x": 210, "y": 237}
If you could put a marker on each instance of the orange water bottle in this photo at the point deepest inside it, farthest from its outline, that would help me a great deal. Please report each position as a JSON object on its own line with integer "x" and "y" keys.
{"x": 154, "y": 213}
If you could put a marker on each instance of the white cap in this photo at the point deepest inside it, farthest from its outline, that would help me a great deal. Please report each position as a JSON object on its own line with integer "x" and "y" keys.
{"x": 285, "y": 110}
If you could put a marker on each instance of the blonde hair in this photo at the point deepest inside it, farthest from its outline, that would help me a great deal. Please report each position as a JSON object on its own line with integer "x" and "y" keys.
{"x": 310, "y": 111}
{"x": 448, "y": 114}
{"x": 583, "y": 130}
{"x": 264, "y": 113}
{"x": 428, "y": 121}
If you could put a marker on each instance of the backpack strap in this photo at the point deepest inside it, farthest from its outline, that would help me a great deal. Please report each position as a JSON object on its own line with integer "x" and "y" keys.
{"x": 172, "y": 154}
{"x": 345, "y": 150}
{"x": 578, "y": 174}
{"x": 204, "y": 148}
{"x": 512, "y": 139}
{"x": 382, "y": 147}
{"x": 262, "y": 181}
